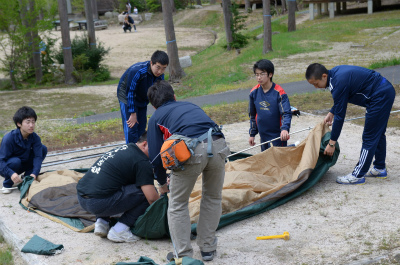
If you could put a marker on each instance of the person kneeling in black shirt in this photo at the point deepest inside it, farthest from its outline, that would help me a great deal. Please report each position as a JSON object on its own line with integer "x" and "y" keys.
{"x": 120, "y": 182}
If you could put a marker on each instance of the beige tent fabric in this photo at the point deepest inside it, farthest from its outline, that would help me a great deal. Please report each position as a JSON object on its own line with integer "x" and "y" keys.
{"x": 51, "y": 179}
{"x": 265, "y": 176}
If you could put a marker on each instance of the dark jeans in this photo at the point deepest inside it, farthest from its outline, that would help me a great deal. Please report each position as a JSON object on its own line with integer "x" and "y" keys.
{"x": 20, "y": 167}
{"x": 130, "y": 201}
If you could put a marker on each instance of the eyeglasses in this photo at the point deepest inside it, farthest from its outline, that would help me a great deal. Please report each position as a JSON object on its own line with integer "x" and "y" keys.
{"x": 261, "y": 74}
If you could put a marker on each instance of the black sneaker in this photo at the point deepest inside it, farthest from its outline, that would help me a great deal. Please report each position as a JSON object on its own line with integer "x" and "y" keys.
{"x": 208, "y": 256}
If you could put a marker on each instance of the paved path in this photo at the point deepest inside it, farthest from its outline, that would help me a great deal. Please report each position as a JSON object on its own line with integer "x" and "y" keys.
{"x": 391, "y": 73}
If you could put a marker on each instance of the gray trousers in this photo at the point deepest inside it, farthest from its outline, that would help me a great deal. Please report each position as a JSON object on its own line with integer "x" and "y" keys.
{"x": 181, "y": 186}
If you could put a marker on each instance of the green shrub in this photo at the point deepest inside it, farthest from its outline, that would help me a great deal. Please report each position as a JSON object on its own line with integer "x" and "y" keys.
{"x": 102, "y": 74}
{"x": 181, "y": 4}
{"x": 47, "y": 54}
{"x": 140, "y": 5}
{"x": 86, "y": 60}
{"x": 238, "y": 20}
{"x": 154, "y": 5}
{"x": 80, "y": 45}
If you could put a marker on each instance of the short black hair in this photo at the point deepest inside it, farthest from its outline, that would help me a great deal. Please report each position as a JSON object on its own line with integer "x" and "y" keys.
{"x": 160, "y": 57}
{"x": 160, "y": 93}
{"x": 142, "y": 138}
{"x": 265, "y": 66}
{"x": 24, "y": 113}
{"x": 315, "y": 70}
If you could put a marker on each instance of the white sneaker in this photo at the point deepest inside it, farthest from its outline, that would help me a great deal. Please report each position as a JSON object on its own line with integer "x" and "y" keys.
{"x": 5, "y": 190}
{"x": 123, "y": 236}
{"x": 101, "y": 229}
{"x": 350, "y": 179}
{"x": 377, "y": 173}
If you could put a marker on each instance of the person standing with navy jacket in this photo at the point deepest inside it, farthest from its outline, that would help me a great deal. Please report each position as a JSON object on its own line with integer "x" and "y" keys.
{"x": 365, "y": 88}
{"x": 269, "y": 108}
{"x": 132, "y": 93}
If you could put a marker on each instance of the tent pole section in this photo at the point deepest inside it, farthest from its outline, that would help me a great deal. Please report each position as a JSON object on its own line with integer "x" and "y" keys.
{"x": 277, "y": 138}
{"x": 309, "y": 128}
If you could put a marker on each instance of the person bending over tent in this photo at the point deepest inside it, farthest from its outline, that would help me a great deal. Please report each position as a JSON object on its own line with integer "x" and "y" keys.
{"x": 183, "y": 120}
{"x": 269, "y": 108}
{"x": 21, "y": 150}
{"x": 132, "y": 93}
{"x": 121, "y": 181}
{"x": 362, "y": 87}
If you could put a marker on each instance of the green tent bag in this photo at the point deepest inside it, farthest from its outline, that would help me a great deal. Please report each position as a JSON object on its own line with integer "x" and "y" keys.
{"x": 38, "y": 245}
{"x": 153, "y": 224}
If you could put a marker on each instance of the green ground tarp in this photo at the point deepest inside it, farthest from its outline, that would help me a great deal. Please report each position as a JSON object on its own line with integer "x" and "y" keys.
{"x": 253, "y": 185}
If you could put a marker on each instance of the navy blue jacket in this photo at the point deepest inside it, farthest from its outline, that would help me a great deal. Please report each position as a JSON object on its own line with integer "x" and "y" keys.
{"x": 350, "y": 84}
{"x": 133, "y": 85}
{"x": 180, "y": 117}
{"x": 269, "y": 112}
{"x": 13, "y": 145}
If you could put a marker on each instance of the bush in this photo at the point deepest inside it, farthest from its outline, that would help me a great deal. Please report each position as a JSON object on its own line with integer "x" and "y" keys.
{"x": 181, "y": 4}
{"x": 86, "y": 60}
{"x": 154, "y": 5}
{"x": 103, "y": 74}
{"x": 80, "y": 45}
{"x": 47, "y": 54}
{"x": 239, "y": 40}
{"x": 140, "y": 5}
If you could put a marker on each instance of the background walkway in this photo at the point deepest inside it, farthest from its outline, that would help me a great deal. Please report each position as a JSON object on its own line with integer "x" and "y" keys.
{"x": 391, "y": 73}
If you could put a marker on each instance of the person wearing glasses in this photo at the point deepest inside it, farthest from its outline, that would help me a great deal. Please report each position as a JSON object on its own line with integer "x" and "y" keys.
{"x": 132, "y": 93}
{"x": 269, "y": 108}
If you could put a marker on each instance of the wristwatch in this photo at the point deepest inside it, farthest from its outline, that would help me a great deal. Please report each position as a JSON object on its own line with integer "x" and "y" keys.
{"x": 331, "y": 145}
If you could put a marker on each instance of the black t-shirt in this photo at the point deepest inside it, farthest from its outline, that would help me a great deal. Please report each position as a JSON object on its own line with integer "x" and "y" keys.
{"x": 122, "y": 166}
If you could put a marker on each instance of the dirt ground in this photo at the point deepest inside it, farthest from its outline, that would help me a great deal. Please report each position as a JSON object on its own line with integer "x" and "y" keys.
{"x": 329, "y": 224}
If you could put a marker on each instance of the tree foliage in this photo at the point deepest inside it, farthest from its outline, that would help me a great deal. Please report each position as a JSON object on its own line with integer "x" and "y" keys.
{"x": 238, "y": 23}
{"x": 16, "y": 42}
{"x": 140, "y": 4}
{"x": 154, "y": 5}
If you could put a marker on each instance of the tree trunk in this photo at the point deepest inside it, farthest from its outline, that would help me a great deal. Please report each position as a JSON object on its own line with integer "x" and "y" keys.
{"x": 292, "y": 15}
{"x": 90, "y": 23}
{"x": 66, "y": 42}
{"x": 172, "y": 2}
{"x": 267, "y": 26}
{"x": 247, "y": 6}
{"x": 175, "y": 70}
{"x": 226, "y": 4}
{"x": 198, "y": 2}
{"x": 37, "y": 60}
{"x": 94, "y": 7}
{"x": 283, "y": 6}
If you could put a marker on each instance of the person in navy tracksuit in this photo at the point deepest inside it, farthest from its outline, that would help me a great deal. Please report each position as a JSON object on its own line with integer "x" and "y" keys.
{"x": 362, "y": 87}
{"x": 185, "y": 118}
{"x": 269, "y": 108}
{"x": 21, "y": 150}
{"x": 132, "y": 93}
